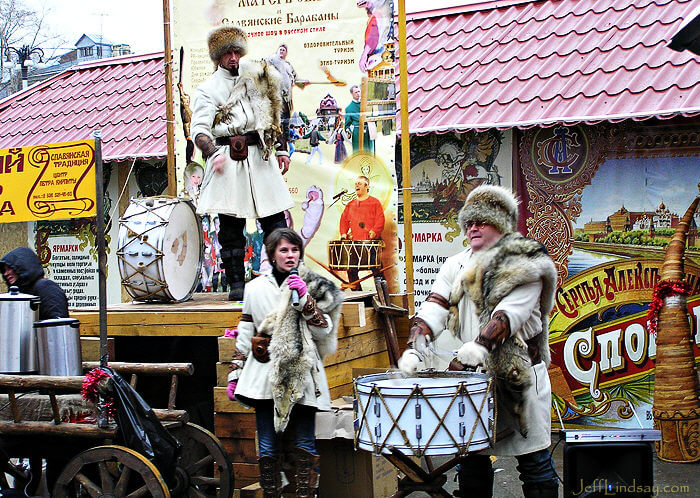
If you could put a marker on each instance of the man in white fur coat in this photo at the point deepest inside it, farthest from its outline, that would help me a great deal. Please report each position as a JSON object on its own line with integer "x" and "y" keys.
{"x": 491, "y": 304}
{"x": 236, "y": 123}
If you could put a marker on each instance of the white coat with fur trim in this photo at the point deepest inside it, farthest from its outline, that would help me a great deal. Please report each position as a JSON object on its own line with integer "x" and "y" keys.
{"x": 254, "y": 187}
{"x": 521, "y": 306}
{"x": 262, "y": 297}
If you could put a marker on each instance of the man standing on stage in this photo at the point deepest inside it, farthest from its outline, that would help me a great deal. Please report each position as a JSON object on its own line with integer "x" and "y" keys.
{"x": 362, "y": 219}
{"x": 491, "y": 302}
{"x": 236, "y": 123}
{"x": 352, "y": 123}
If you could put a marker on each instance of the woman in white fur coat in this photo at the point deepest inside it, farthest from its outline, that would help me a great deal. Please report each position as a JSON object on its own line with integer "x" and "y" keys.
{"x": 278, "y": 365}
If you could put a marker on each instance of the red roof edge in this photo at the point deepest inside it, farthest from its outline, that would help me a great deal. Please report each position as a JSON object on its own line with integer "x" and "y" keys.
{"x": 111, "y": 61}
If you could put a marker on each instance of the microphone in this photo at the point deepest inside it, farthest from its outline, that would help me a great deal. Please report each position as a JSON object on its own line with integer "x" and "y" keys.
{"x": 295, "y": 293}
{"x": 340, "y": 194}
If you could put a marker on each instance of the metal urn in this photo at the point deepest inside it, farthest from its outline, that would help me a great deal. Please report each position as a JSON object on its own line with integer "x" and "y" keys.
{"x": 18, "y": 312}
{"x": 58, "y": 342}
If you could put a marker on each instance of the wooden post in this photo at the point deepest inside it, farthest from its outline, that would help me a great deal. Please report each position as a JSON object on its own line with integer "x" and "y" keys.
{"x": 169, "y": 111}
{"x": 406, "y": 158}
{"x": 101, "y": 253}
{"x": 363, "y": 113}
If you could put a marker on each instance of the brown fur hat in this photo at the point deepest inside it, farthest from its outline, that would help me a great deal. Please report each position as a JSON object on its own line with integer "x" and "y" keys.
{"x": 490, "y": 204}
{"x": 226, "y": 38}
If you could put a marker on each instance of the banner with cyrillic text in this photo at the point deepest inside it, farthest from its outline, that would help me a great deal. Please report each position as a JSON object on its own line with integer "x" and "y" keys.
{"x": 337, "y": 62}
{"x": 47, "y": 182}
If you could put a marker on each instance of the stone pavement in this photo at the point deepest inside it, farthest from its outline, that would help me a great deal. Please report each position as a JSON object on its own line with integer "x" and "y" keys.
{"x": 670, "y": 479}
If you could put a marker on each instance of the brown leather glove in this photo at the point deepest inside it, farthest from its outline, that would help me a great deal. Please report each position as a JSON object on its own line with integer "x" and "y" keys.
{"x": 206, "y": 145}
{"x": 419, "y": 328}
{"x": 495, "y": 332}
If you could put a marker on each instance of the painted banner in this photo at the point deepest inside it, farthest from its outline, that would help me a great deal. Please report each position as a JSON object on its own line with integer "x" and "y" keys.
{"x": 605, "y": 201}
{"x": 445, "y": 168}
{"x": 47, "y": 182}
{"x": 336, "y": 59}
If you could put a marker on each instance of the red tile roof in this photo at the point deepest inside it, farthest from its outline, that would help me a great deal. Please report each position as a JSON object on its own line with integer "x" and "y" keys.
{"x": 547, "y": 62}
{"x": 124, "y": 97}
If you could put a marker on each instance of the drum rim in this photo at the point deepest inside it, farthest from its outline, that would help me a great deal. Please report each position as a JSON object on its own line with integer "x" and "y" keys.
{"x": 372, "y": 378}
{"x": 372, "y": 242}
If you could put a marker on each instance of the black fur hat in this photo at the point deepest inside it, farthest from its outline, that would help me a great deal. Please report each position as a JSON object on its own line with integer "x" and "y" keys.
{"x": 226, "y": 38}
{"x": 490, "y": 204}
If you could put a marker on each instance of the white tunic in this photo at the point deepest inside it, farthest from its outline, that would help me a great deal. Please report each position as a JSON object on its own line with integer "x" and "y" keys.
{"x": 522, "y": 308}
{"x": 262, "y": 295}
{"x": 252, "y": 188}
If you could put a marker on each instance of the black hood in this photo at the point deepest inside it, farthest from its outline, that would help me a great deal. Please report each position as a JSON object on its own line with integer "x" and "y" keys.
{"x": 26, "y": 265}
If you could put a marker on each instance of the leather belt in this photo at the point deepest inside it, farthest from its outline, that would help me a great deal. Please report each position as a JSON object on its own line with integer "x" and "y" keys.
{"x": 251, "y": 138}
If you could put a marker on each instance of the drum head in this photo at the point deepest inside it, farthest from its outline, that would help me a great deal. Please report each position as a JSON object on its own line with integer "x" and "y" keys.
{"x": 182, "y": 248}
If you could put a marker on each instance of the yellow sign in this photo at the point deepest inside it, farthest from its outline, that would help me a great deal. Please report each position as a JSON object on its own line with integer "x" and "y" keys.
{"x": 47, "y": 182}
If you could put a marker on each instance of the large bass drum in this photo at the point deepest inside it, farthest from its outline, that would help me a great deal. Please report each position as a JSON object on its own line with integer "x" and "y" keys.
{"x": 430, "y": 413}
{"x": 160, "y": 249}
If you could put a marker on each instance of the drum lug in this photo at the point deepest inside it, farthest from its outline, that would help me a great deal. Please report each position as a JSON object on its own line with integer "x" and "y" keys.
{"x": 378, "y": 430}
{"x": 461, "y": 408}
{"x": 418, "y": 410}
{"x": 419, "y": 432}
{"x": 377, "y": 410}
{"x": 462, "y": 430}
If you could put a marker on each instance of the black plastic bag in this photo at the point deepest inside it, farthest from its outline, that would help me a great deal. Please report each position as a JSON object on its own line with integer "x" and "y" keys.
{"x": 140, "y": 430}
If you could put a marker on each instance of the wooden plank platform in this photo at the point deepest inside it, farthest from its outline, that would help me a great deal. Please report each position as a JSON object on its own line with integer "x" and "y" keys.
{"x": 205, "y": 315}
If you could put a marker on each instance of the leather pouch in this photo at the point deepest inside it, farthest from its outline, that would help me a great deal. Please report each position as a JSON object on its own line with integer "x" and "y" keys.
{"x": 238, "y": 148}
{"x": 259, "y": 346}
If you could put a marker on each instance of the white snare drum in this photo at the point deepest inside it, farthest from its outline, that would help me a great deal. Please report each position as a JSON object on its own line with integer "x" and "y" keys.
{"x": 355, "y": 254}
{"x": 430, "y": 413}
{"x": 160, "y": 249}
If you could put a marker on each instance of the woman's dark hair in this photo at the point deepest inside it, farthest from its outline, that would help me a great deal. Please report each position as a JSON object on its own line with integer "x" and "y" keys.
{"x": 274, "y": 238}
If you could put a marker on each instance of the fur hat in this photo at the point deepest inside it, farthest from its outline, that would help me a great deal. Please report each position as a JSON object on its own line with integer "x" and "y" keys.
{"x": 226, "y": 38}
{"x": 490, "y": 204}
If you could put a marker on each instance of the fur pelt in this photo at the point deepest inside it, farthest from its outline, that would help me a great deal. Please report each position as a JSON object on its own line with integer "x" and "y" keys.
{"x": 292, "y": 350}
{"x": 224, "y": 39}
{"x": 491, "y": 275}
{"x": 259, "y": 83}
{"x": 490, "y": 204}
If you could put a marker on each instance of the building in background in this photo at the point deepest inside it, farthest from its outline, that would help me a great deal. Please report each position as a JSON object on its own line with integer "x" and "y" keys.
{"x": 88, "y": 47}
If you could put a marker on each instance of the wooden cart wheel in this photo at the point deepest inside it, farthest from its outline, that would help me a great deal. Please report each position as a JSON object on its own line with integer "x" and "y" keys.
{"x": 204, "y": 469}
{"x": 110, "y": 471}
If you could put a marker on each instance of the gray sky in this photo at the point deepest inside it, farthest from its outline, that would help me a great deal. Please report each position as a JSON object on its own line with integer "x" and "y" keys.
{"x": 138, "y": 23}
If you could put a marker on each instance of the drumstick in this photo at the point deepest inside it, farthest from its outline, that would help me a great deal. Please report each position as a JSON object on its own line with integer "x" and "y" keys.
{"x": 425, "y": 347}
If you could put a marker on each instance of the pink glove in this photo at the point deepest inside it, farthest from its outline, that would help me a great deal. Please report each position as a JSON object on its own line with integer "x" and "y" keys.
{"x": 231, "y": 390}
{"x": 295, "y": 282}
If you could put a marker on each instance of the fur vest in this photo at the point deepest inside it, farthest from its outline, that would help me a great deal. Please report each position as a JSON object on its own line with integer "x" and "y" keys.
{"x": 491, "y": 275}
{"x": 293, "y": 351}
{"x": 260, "y": 84}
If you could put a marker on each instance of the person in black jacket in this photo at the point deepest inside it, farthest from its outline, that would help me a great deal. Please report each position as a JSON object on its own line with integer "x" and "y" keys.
{"x": 21, "y": 267}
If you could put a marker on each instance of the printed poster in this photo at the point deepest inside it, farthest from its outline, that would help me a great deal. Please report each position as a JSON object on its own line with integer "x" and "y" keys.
{"x": 42, "y": 182}
{"x": 606, "y": 210}
{"x": 445, "y": 168}
{"x": 337, "y": 62}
